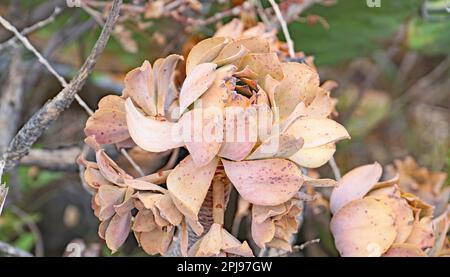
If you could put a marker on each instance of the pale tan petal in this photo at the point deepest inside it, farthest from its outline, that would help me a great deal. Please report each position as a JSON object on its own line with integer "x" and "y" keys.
{"x": 189, "y": 184}
{"x": 164, "y": 81}
{"x": 363, "y": 227}
{"x": 293, "y": 88}
{"x": 140, "y": 87}
{"x": 156, "y": 241}
{"x": 217, "y": 94}
{"x": 144, "y": 221}
{"x": 233, "y": 57}
{"x": 211, "y": 243}
{"x": 196, "y": 83}
{"x": 422, "y": 234}
{"x": 205, "y": 51}
{"x": 263, "y": 64}
{"x": 264, "y": 182}
{"x": 109, "y": 169}
{"x": 232, "y": 29}
{"x": 263, "y": 232}
{"x": 404, "y": 250}
{"x": 144, "y": 185}
{"x": 354, "y": 185}
{"x": 202, "y": 133}
{"x": 403, "y": 213}
{"x": 151, "y": 134}
{"x": 108, "y": 196}
{"x": 277, "y": 146}
{"x": 314, "y": 157}
{"x": 108, "y": 124}
{"x": 168, "y": 210}
{"x": 240, "y": 133}
{"x": 317, "y": 131}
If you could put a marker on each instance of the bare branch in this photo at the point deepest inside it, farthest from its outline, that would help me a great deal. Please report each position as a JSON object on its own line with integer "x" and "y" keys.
{"x": 3, "y": 188}
{"x": 57, "y": 159}
{"x": 284, "y": 27}
{"x": 12, "y": 251}
{"x": 12, "y": 41}
{"x": 42, "y": 119}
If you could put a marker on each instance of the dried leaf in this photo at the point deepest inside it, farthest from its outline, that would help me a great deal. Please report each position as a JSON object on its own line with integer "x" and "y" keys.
{"x": 204, "y": 52}
{"x": 189, "y": 184}
{"x": 196, "y": 83}
{"x": 264, "y": 182}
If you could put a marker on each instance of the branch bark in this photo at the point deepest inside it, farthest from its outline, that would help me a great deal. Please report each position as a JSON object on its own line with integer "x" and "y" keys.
{"x": 41, "y": 120}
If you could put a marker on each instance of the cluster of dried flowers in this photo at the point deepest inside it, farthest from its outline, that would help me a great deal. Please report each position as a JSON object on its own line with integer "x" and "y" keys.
{"x": 239, "y": 99}
{"x": 406, "y": 215}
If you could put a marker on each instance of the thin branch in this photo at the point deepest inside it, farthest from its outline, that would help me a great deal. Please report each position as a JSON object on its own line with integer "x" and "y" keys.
{"x": 41, "y": 120}
{"x": 132, "y": 162}
{"x": 284, "y": 27}
{"x": 12, "y": 251}
{"x": 42, "y": 60}
{"x": 3, "y": 188}
{"x": 12, "y": 41}
{"x": 39, "y": 243}
{"x": 335, "y": 169}
{"x": 53, "y": 159}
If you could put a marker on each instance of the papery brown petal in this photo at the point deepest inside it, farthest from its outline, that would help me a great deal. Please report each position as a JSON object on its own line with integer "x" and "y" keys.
{"x": 262, "y": 232}
{"x": 211, "y": 243}
{"x": 422, "y": 233}
{"x": 156, "y": 241}
{"x": 293, "y": 88}
{"x": 263, "y": 213}
{"x": 196, "y": 83}
{"x": 403, "y": 213}
{"x": 151, "y": 134}
{"x": 280, "y": 244}
{"x": 314, "y": 157}
{"x": 94, "y": 178}
{"x": 102, "y": 227}
{"x": 140, "y": 86}
{"x": 441, "y": 225}
{"x": 204, "y": 52}
{"x": 108, "y": 196}
{"x": 263, "y": 64}
{"x": 232, "y": 245}
{"x": 189, "y": 184}
{"x": 117, "y": 231}
{"x": 164, "y": 80}
{"x": 108, "y": 124}
{"x": 354, "y": 185}
{"x": 404, "y": 250}
{"x": 363, "y": 227}
{"x": 168, "y": 210}
{"x": 144, "y": 221}
{"x": 125, "y": 207}
{"x": 264, "y": 182}
{"x": 143, "y": 185}
{"x": 109, "y": 169}
{"x": 202, "y": 133}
